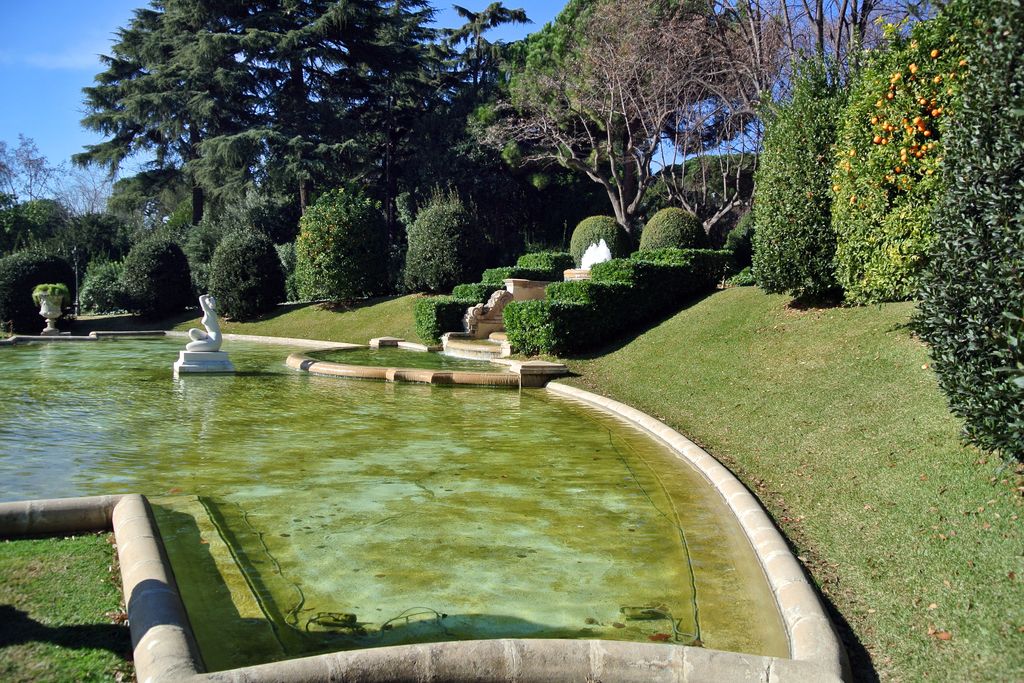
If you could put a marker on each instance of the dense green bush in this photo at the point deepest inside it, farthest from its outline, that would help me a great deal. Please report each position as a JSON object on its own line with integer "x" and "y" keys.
{"x": 594, "y": 229}
{"x": 744, "y": 278}
{"x": 480, "y": 291}
{"x": 740, "y": 241}
{"x": 156, "y": 279}
{"x": 435, "y": 315}
{"x": 554, "y": 263}
{"x": 19, "y": 274}
{"x": 794, "y": 244}
{"x": 102, "y": 290}
{"x": 199, "y": 245}
{"x": 341, "y": 250}
{"x": 246, "y": 277}
{"x": 529, "y": 327}
{"x": 890, "y": 149}
{"x": 673, "y": 227}
{"x": 972, "y": 296}
{"x": 443, "y": 248}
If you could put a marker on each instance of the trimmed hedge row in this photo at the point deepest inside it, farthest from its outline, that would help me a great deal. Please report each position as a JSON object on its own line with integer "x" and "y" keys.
{"x": 497, "y": 276}
{"x": 621, "y": 294}
{"x": 553, "y": 262}
{"x": 439, "y": 314}
{"x": 478, "y": 292}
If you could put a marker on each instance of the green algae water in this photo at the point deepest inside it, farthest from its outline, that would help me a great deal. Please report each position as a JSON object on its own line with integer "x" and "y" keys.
{"x": 305, "y": 514}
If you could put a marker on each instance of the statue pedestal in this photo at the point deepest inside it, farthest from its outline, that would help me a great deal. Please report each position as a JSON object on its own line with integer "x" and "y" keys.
{"x": 202, "y": 361}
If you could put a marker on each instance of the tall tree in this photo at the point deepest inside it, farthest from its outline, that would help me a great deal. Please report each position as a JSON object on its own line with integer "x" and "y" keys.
{"x": 481, "y": 55}
{"x": 172, "y": 81}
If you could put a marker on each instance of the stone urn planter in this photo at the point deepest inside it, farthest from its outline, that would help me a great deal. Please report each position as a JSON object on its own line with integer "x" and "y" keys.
{"x": 50, "y": 298}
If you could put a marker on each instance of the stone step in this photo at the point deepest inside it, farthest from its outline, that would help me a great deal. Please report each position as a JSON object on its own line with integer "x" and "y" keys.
{"x": 498, "y": 337}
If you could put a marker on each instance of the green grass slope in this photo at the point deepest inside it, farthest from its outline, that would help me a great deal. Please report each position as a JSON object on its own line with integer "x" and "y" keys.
{"x": 833, "y": 418}
{"x": 57, "y": 600}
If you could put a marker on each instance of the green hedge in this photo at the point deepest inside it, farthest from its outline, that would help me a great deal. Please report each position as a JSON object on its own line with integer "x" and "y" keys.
{"x": 794, "y": 244}
{"x": 972, "y": 298}
{"x": 496, "y": 276}
{"x": 478, "y": 292}
{"x": 156, "y": 279}
{"x": 621, "y": 294}
{"x": 889, "y": 173}
{"x": 19, "y": 274}
{"x": 554, "y": 263}
{"x": 246, "y": 277}
{"x": 444, "y": 244}
{"x": 673, "y": 227}
{"x": 436, "y": 315}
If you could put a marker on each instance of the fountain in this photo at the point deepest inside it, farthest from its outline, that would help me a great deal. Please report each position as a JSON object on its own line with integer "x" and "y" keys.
{"x": 595, "y": 253}
{"x": 203, "y": 353}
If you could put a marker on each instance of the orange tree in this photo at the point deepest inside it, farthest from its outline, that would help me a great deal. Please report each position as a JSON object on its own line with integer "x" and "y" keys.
{"x": 888, "y": 173}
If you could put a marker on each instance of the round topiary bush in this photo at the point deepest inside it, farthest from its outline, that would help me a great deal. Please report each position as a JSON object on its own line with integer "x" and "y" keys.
{"x": 594, "y": 229}
{"x": 889, "y": 173}
{"x": 102, "y": 289}
{"x": 19, "y": 274}
{"x": 246, "y": 277}
{"x": 442, "y": 245}
{"x": 341, "y": 250}
{"x": 794, "y": 243}
{"x": 972, "y": 295}
{"x": 673, "y": 227}
{"x": 740, "y": 241}
{"x": 156, "y": 279}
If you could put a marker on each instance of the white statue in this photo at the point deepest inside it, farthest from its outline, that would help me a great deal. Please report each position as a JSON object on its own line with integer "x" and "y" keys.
{"x": 211, "y": 339}
{"x": 596, "y": 253}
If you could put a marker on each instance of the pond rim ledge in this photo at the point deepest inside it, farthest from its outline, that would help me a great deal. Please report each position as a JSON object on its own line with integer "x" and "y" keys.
{"x": 164, "y": 648}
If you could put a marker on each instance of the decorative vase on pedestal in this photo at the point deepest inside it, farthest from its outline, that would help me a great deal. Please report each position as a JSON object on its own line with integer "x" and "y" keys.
{"x": 49, "y": 308}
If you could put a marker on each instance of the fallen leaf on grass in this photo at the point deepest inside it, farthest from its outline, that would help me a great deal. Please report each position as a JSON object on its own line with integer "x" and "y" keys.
{"x": 933, "y": 606}
{"x": 944, "y": 635}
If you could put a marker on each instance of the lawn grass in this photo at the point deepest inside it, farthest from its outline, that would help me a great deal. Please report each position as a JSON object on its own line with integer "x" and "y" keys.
{"x": 357, "y": 322}
{"x": 834, "y": 419}
{"x": 59, "y": 601}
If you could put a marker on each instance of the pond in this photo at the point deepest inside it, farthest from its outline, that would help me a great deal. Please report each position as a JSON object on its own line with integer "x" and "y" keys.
{"x": 305, "y": 514}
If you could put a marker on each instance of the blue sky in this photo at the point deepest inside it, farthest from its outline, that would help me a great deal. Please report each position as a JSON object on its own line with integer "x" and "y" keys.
{"x": 46, "y": 58}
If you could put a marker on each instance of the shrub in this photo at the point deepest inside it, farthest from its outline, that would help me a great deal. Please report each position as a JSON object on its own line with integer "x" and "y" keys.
{"x": 19, "y": 274}
{"x": 889, "y": 173}
{"x": 102, "y": 291}
{"x": 972, "y": 296}
{"x": 553, "y": 263}
{"x": 794, "y": 244}
{"x": 477, "y": 292}
{"x": 594, "y": 229}
{"x": 740, "y": 241}
{"x": 341, "y": 250}
{"x": 199, "y": 245}
{"x": 673, "y": 227}
{"x": 156, "y": 279}
{"x": 442, "y": 245}
{"x": 436, "y": 315}
{"x": 529, "y": 326}
{"x": 245, "y": 275}
{"x": 744, "y": 278}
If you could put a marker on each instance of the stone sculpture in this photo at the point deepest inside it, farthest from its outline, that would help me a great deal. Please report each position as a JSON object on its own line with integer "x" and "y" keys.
{"x": 203, "y": 353}
{"x": 211, "y": 339}
{"x": 482, "y": 319}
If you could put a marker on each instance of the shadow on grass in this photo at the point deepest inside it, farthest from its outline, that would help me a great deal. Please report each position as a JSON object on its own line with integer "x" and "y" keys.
{"x": 17, "y": 628}
{"x": 641, "y": 329}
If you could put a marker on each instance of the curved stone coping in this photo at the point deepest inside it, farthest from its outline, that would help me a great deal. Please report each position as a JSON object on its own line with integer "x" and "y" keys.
{"x": 163, "y": 647}
{"x": 92, "y": 336}
{"x": 811, "y": 636}
{"x": 300, "y": 361}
